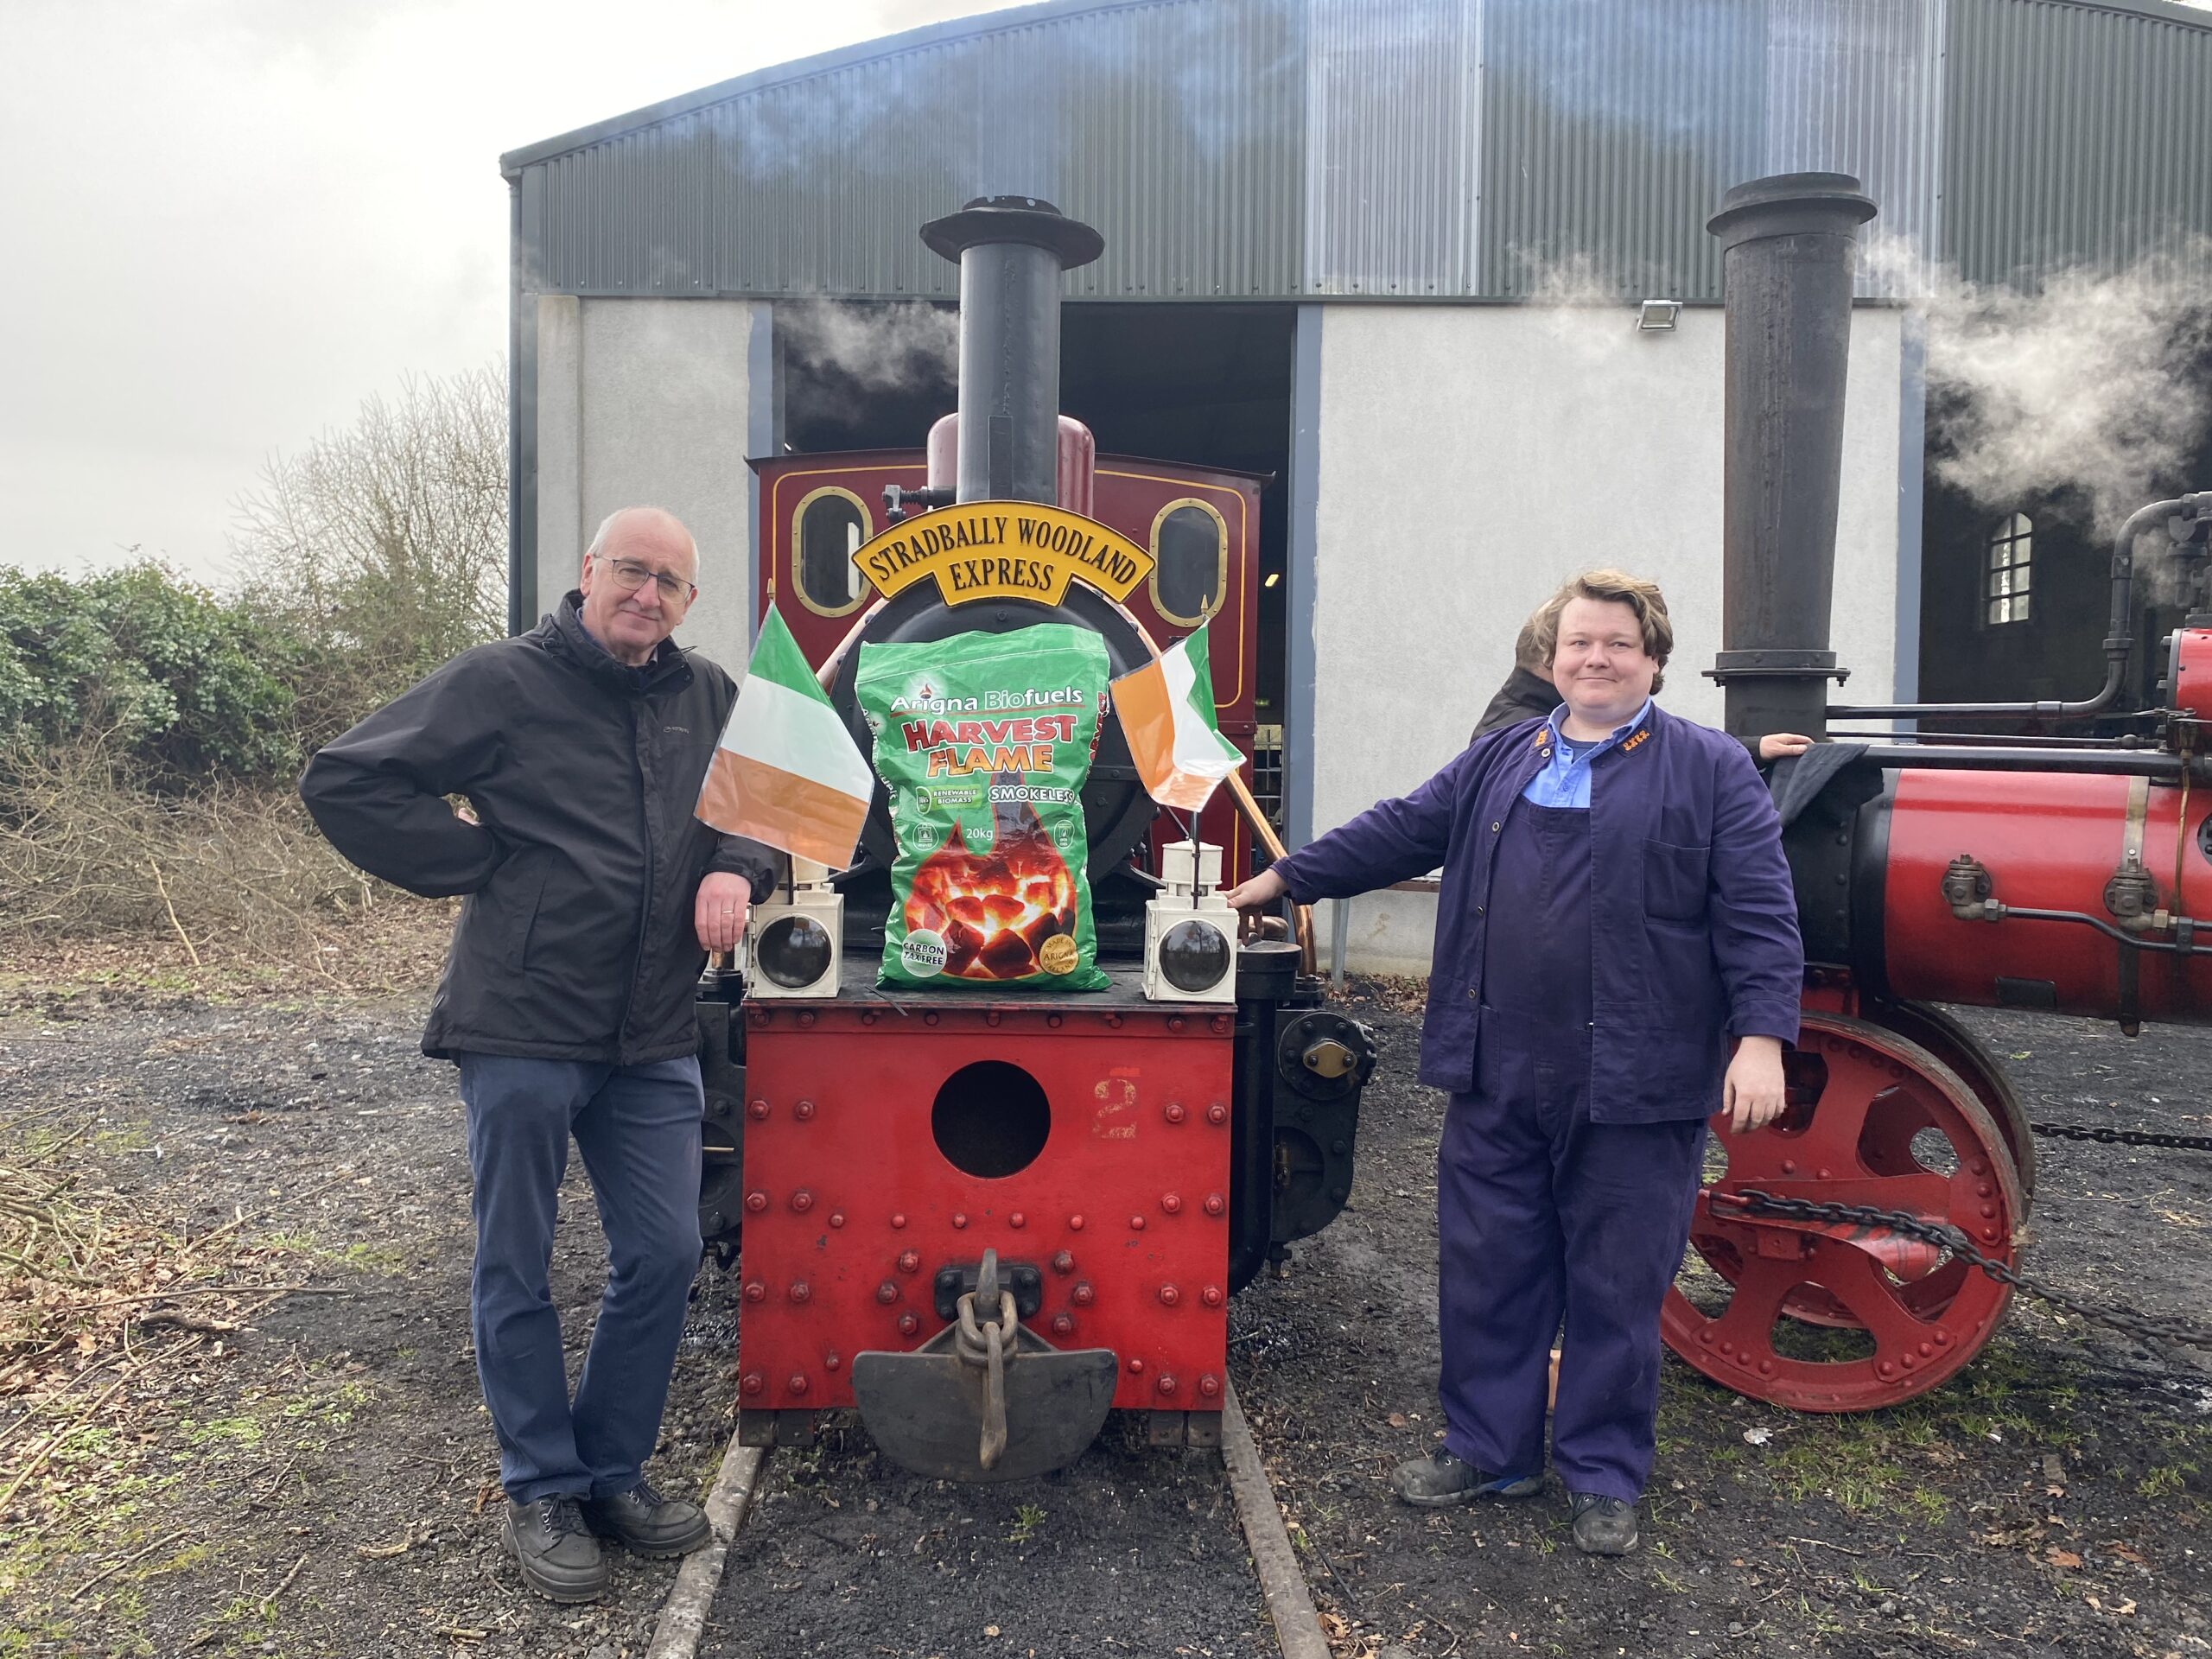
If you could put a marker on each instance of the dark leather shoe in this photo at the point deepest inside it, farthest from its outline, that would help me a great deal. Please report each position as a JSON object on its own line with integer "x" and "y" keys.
{"x": 1603, "y": 1526}
{"x": 559, "y": 1556}
{"x": 1440, "y": 1479}
{"x": 647, "y": 1522}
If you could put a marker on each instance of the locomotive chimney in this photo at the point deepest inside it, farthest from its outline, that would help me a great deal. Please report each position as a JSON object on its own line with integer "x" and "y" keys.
{"x": 1011, "y": 250}
{"x": 1788, "y": 246}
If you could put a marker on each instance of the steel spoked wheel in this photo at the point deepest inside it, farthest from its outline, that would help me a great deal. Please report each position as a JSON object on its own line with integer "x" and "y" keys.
{"x": 1951, "y": 1043}
{"x": 1837, "y": 1316}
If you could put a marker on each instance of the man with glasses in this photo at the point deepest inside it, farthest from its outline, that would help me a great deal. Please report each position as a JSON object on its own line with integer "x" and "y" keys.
{"x": 593, "y": 894}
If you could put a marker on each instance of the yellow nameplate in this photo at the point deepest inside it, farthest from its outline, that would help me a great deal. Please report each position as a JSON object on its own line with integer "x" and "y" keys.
{"x": 1002, "y": 550}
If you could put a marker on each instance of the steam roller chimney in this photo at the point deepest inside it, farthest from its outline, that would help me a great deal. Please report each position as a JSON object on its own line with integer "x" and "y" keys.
{"x": 1788, "y": 246}
{"x": 1011, "y": 250}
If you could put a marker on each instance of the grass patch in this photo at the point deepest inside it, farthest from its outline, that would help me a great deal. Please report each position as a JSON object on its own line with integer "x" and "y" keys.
{"x": 382, "y": 1260}
{"x": 1889, "y": 1463}
{"x": 111, "y": 1501}
{"x": 234, "y": 1431}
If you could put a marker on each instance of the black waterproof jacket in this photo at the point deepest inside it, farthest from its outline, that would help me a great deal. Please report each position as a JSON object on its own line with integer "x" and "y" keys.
{"x": 1524, "y": 693}
{"x": 577, "y": 942}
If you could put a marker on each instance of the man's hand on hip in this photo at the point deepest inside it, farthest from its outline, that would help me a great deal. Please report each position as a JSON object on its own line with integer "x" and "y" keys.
{"x": 720, "y": 914}
{"x": 1753, "y": 1093}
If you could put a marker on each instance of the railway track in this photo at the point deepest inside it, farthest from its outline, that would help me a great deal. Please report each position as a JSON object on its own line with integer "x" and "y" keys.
{"x": 686, "y": 1616}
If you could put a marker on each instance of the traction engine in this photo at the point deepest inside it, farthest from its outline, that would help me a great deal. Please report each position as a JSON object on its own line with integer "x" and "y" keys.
{"x": 2051, "y": 873}
{"x": 983, "y": 1217}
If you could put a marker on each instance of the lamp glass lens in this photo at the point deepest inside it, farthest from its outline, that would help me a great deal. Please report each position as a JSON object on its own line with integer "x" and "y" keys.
{"x": 794, "y": 951}
{"x": 1194, "y": 955}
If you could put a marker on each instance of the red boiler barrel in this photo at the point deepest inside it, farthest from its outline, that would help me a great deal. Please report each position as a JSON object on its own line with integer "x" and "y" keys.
{"x": 1079, "y": 461}
{"x": 2055, "y": 841}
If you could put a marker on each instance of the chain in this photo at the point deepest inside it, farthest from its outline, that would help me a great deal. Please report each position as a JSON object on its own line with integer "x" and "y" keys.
{"x": 988, "y": 1343}
{"x": 2106, "y": 1135}
{"x": 2142, "y": 1326}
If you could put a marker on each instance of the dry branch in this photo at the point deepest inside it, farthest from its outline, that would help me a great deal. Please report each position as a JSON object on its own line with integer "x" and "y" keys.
{"x": 161, "y": 887}
{"x": 88, "y": 852}
{"x": 270, "y": 1600}
{"x": 114, "y": 1567}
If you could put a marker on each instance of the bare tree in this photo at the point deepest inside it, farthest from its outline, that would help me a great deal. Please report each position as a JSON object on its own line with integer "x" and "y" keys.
{"x": 383, "y": 549}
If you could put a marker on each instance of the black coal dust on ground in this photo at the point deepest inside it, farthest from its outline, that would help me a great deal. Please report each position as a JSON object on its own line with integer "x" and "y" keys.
{"x": 320, "y": 1479}
{"x": 2053, "y": 1498}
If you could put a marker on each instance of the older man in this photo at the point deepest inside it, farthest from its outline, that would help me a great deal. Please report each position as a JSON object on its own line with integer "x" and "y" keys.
{"x": 592, "y": 895}
{"x": 1615, "y": 911}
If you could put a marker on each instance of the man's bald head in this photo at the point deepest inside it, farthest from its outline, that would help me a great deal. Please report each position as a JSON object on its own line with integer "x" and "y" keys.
{"x": 639, "y": 577}
{"x": 654, "y": 527}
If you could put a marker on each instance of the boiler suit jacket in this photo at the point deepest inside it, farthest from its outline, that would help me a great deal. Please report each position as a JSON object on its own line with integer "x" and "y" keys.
{"x": 1696, "y": 920}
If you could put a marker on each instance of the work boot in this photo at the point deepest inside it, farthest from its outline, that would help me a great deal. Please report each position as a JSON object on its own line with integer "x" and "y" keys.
{"x": 1603, "y": 1526}
{"x": 649, "y": 1523}
{"x": 1441, "y": 1479}
{"x": 558, "y": 1557}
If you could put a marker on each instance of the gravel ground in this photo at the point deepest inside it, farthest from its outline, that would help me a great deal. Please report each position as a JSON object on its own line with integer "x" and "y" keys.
{"x": 342, "y": 1432}
{"x": 324, "y": 1480}
{"x": 2051, "y": 1499}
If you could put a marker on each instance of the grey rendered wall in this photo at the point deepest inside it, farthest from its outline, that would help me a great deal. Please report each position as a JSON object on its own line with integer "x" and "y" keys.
{"x": 1471, "y": 458}
{"x": 645, "y": 401}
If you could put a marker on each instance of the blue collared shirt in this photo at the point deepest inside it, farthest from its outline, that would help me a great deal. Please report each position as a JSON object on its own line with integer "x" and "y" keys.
{"x": 1566, "y": 780}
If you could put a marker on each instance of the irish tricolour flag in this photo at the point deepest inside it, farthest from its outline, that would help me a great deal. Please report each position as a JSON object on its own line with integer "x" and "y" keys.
{"x": 1166, "y": 710}
{"x": 787, "y": 773}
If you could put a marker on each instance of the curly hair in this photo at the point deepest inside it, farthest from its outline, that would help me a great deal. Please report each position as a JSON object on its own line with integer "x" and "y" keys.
{"x": 1614, "y": 587}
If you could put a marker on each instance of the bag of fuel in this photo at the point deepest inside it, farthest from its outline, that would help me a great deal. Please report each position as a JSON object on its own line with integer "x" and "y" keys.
{"x": 984, "y": 740}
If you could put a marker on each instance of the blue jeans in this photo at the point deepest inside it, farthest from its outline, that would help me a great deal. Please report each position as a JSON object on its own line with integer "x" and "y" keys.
{"x": 638, "y": 1126}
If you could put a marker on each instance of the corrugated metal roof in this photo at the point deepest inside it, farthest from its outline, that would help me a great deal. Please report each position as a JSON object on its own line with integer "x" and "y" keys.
{"x": 1600, "y": 158}
{"x": 1396, "y": 149}
{"x": 1393, "y": 112}
{"x": 1857, "y": 86}
{"x": 2078, "y": 134}
{"x": 1177, "y": 129}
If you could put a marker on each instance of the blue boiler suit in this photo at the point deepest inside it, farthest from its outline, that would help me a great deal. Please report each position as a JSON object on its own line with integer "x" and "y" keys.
{"x": 1592, "y": 965}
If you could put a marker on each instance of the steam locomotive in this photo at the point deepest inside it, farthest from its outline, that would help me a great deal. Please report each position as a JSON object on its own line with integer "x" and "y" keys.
{"x": 982, "y": 1218}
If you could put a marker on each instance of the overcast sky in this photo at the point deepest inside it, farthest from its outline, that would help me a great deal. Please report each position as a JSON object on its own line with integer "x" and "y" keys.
{"x": 231, "y": 220}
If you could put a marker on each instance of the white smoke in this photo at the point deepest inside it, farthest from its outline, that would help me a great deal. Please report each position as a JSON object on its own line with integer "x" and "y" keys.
{"x": 2089, "y": 385}
{"x": 878, "y": 347}
{"x": 1583, "y": 311}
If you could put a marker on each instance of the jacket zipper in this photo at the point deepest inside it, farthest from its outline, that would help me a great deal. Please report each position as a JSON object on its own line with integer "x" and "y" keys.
{"x": 646, "y": 914}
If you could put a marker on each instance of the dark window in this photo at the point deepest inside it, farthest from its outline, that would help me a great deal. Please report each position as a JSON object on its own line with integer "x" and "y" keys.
{"x": 2006, "y": 566}
{"x": 1191, "y": 544}
{"x": 831, "y": 526}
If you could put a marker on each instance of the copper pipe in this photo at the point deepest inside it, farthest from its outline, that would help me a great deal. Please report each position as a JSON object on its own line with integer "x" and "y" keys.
{"x": 1301, "y": 915}
{"x": 824, "y": 675}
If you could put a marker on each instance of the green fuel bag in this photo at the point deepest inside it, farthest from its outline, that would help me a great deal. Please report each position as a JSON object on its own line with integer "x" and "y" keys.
{"x": 984, "y": 741}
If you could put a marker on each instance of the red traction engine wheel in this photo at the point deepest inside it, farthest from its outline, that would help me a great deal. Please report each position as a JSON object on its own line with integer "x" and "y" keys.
{"x": 1828, "y": 1316}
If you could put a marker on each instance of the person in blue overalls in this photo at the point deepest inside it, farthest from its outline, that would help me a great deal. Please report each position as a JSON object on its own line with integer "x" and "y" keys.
{"x": 1615, "y": 912}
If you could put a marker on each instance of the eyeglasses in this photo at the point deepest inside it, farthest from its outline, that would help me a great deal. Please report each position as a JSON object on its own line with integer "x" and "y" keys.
{"x": 630, "y": 576}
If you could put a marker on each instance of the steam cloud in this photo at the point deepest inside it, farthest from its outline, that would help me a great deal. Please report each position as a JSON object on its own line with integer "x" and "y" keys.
{"x": 1584, "y": 311}
{"x": 878, "y": 347}
{"x": 2092, "y": 385}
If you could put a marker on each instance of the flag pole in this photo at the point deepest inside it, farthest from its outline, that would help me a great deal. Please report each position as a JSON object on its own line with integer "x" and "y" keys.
{"x": 1190, "y": 836}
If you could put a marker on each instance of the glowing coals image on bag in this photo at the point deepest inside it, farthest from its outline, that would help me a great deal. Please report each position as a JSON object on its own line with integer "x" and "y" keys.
{"x": 984, "y": 741}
